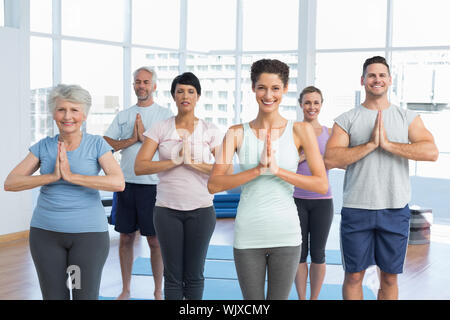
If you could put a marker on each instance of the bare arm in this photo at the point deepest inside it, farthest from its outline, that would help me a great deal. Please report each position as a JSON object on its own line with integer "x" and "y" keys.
{"x": 113, "y": 179}
{"x": 221, "y": 177}
{"x": 21, "y": 178}
{"x": 201, "y": 167}
{"x": 124, "y": 143}
{"x": 421, "y": 148}
{"x": 144, "y": 164}
{"x": 318, "y": 181}
{"x": 338, "y": 154}
{"x": 120, "y": 144}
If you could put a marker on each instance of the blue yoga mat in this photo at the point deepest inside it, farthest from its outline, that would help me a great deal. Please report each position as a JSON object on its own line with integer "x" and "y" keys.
{"x": 220, "y": 252}
{"x": 331, "y": 257}
{"x": 219, "y": 289}
{"x": 219, "y": 263}
{"x": 215, "y": 269}
{"x": 114, "y": 298}
{"x": 223, "y": 252}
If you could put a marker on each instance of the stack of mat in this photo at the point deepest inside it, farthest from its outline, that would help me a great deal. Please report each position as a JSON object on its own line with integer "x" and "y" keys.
{"x": 221, "y": 278}
{"x": 226, "y": 204}
{"x": 419, "y": 225}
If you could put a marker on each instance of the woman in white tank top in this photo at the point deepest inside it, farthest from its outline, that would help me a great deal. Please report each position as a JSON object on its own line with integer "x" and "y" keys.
{"x": 267, "y": 231}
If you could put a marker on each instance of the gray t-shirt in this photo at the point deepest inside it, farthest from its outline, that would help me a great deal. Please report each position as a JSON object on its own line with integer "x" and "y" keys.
{"x": 380, "y": 180}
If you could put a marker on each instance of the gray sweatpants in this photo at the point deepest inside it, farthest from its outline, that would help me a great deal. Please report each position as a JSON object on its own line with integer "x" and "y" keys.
{"x": 281, "y": 264}
{"x": 84, "y": 253}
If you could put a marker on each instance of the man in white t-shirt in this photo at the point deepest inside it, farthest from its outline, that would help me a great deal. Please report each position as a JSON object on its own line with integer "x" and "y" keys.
{"x": 135, "y": 204}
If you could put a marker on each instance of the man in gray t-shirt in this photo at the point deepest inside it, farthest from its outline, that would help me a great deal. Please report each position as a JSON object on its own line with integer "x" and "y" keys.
{"x": 374, "y": 142}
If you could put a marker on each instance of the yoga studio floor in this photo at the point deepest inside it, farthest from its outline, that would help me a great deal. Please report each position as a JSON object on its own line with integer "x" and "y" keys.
{"x": 425, "y": 276}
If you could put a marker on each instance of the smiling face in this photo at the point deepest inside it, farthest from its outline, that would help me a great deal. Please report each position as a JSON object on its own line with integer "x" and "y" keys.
{"x": 185, "y": 97}
{"x": 376, "y": 80}
{"x": 269, "y": 90}
{"x": 311, "y": 104}
{"x": 69, "y": 116}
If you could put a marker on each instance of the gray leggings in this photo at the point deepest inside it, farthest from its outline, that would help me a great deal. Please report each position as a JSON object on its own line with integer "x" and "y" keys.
{"x": 54, "y": 252}
{"x": 281, "y": 264}
{"x": 184, "y": 239}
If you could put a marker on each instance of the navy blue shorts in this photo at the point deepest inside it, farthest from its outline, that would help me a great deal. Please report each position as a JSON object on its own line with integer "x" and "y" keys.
{"x": 135, "y": 209}
{"x": 374, "y": 237}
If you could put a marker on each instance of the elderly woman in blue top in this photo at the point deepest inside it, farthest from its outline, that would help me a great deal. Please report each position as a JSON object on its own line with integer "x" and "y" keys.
{"x": 69, "y": 230}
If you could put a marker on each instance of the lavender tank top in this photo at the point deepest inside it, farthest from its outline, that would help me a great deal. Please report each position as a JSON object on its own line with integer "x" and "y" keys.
{"x": 304, "y": 169}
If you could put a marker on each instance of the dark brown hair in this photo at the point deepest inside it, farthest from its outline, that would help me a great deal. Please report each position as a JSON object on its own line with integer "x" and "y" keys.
{"x": 376, "y": 59}
{"x": 269, "y": 66}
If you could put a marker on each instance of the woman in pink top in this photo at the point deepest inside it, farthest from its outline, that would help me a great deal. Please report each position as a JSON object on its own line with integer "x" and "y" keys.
{"x": 184, "y": 215}
{"x": 315, "y": 210}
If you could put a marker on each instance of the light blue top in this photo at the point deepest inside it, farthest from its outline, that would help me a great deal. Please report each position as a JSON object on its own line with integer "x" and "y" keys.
{"x": 122, "y": 128}
{"x": 267, "y": 215}
{"x": 67, "y": 207}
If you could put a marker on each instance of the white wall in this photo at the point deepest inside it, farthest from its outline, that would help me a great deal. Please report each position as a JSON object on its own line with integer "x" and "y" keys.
{"x": 15, "y": 207}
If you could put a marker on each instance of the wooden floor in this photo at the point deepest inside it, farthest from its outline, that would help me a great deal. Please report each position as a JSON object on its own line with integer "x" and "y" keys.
{"x": 426, "y": 274}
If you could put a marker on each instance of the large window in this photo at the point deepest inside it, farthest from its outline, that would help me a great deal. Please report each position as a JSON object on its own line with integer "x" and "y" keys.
{"x": 166, "y": 65}
{"x": 98, "y": 44}
{"x": 421, "y": 23}
{"x": 156, "y": 22}
{"x": 98, "y": 69}
{"x": 421, "y": 81}
{"x": 351, "y": 24}
{"x": 338, "y": 76}
{"x": 41, "y": 15}
{"x": 270, "y": 25}
{"x": 218, "y": 87}
{"x": 215, "y": 30}
{"x": 40, "y": 84}
{"x": 409, "y": 33}
{"x": 2, "y": 14}
{"x": 99, "y": 19}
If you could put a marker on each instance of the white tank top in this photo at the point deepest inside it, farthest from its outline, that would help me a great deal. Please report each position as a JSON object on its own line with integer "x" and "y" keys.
{"x": 267, "y": 215}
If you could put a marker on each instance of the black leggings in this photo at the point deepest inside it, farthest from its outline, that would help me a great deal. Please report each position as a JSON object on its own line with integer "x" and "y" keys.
{"x": 315, "y": 216}
{"x": 184, "y": 238}
{"x": 54, "y": 253}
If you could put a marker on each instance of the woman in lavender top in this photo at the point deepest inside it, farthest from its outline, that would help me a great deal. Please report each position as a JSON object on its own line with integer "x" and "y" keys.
{"x": 315, "y": 210}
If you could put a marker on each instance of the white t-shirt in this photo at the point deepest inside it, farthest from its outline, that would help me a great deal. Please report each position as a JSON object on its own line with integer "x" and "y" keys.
{"x": 184, "y": 188}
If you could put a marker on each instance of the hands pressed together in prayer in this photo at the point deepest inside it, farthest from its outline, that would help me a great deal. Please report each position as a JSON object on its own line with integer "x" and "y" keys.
{"x": 138, "y": 130}
{"x": 268, "y": 160}
{"x": 62, "y": 166}
{"x": 378, "y": 137}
